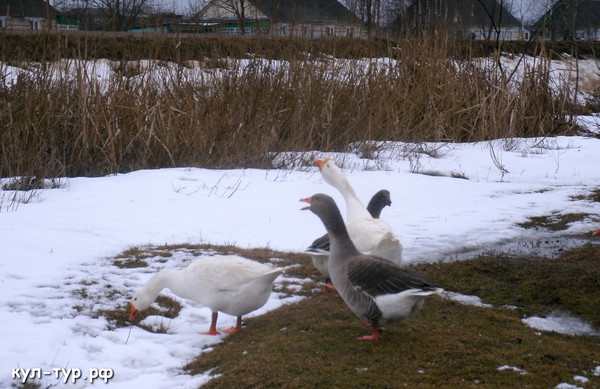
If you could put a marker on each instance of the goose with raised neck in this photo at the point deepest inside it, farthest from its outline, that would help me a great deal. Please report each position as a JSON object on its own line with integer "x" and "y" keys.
{"x": 374, "y": 288}
{"x": 225, "y": 283}
{"x": 370, "y": 235}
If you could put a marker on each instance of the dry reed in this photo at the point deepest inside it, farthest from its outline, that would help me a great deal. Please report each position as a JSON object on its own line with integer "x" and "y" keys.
{"x": 60, "y": 118}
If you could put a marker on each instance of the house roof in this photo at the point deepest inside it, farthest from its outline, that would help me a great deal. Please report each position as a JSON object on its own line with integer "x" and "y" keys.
{"x": 26, "y": 8}
{"x": 585, "y": 14}
{"x": 305, "y": 10}
{"x": 313, "y": 11}
{"x": 463, "y": 12}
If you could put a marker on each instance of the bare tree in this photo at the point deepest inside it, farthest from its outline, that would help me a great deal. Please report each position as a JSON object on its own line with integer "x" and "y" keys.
{"x": 194, "y": 7}
{"x": 121, "y": 14}
{"x": 239, "y": 8}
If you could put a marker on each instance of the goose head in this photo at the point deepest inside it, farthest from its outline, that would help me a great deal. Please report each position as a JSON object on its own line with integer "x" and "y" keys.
{"x": 140, "y": 301}
{"x": 331, "y": 172}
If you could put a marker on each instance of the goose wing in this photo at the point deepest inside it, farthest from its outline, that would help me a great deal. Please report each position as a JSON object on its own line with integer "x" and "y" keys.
{"x": 377, "y": 276}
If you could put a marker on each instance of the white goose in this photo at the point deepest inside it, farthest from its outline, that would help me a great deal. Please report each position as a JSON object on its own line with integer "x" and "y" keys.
{"x": 230, "y": 284}
{"x": 319, "y": 249}
{"x": 374, "y": 288}
{"x": 370, "y": 236}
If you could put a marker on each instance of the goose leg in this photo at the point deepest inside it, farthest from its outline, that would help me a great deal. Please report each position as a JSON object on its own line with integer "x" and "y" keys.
{"x": 328, "y": 285}
{"x": 213, "y": 325}
{"x": 376, "y": 335}
{"x": 235, "y": 329}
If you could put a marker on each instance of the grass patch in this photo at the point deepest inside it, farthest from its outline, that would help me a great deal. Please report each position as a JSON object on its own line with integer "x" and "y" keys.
{"x": 119, "y": 317}
{"x": 136, "y": 256}
{"x": 311, "y": 344}
{"x": 130, "y": 263}
{"x": 593, "y": 196}
{"x": 570, "y": 282}
{"x": 434, "y": 173}
{"x": 554, "y": 222}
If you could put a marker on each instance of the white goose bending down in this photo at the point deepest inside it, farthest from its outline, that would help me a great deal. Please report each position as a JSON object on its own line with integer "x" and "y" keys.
{"x": 230, "y": 284}
{"x": 374, "y": 288}
{"x": 319, "y": 249}
{"x": 370, "y": 235}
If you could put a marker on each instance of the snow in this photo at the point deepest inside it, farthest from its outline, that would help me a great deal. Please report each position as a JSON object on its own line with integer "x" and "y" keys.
{"x": 512, "y": 368}
{"x": 465, "y": 299}
{"x": 561, "y": 322}
{"x": 57, "y": 269}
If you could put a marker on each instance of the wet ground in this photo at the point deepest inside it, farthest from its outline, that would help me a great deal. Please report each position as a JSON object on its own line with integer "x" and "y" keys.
{"x": 547, "y": 247}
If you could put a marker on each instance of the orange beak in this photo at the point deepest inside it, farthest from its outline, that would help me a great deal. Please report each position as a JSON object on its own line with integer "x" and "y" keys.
{"x": 321, "y": 162}
{"x": 307, "y": 200}
{"x": 132, "y": 311}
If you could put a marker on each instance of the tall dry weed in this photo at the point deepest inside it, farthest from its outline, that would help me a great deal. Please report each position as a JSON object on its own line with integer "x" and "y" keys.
{"x": 61, "y": 119}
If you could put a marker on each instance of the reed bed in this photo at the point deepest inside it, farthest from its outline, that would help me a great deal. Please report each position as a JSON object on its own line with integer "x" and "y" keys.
{"x": 229, "y": 103}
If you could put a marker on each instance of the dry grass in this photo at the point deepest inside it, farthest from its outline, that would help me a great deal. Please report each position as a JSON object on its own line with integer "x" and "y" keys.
{"x": 447, "y": 344}
{"x": 312, "y": 343}
{"x": 553, "y": 222}
{"x": 242, "y": 116}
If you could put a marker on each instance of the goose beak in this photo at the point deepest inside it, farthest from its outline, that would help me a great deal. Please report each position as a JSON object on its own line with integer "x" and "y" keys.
{"x": 132, "y": 311}
{"x": 321, "y": 162}
{"x": 306, "y": 200}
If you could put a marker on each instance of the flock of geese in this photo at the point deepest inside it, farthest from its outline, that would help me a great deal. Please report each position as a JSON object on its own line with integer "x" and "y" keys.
{"x": 360, "y": 258}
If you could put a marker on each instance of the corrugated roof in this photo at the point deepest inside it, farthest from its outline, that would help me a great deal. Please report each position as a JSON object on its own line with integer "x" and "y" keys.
{"x": 463, "y": 12}
{"x": 585, "y": 14}
{"x": 305, "y": 11}
{"x": 26, "y": 8}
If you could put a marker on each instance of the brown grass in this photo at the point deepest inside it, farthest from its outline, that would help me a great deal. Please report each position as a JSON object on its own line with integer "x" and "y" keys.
{"x": 447, "y": 344}
{"x": 312, "y": 343}
{"x": 242, "y": 117}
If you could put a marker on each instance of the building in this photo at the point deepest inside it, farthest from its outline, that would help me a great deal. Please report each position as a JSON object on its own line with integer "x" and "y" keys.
{"x": 571, "y": 19}
{"x": 169, "y": 23}
{"x": 301, "y": 18}
{"x": 27, "y": 15}
{"x": 471, "y": 19}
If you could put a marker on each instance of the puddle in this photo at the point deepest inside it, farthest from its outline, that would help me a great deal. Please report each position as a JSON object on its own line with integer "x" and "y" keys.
{"x": 531, "y": 248}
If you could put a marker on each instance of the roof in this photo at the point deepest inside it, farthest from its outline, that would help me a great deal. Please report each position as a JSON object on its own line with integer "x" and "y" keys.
{"x": 26, "y": 8}
{"x": 463, "y": 12}
{"x": 585, "y": 14}
{"x": 311, "y": 11}
{"x": 305, "y": 10}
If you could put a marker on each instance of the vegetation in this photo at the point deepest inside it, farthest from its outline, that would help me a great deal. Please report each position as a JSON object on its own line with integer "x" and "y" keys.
{"x": 60, "y": 120}
{"x": 447, "y": 344}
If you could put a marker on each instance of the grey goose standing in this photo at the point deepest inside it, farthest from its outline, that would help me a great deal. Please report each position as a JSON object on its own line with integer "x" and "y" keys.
{"x": 374, "y": 288}
{"x": 319, "y": 249}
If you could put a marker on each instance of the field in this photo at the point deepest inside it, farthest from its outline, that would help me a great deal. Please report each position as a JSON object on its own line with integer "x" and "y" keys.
{"x": 123, "y": 155}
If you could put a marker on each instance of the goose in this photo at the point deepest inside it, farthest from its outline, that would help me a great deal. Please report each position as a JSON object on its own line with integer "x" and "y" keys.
{"x": 374, "y": 288}
{"x": 319, "y": 249}
{"x": 226, "y": 283}
{"x": 370, "y": 235}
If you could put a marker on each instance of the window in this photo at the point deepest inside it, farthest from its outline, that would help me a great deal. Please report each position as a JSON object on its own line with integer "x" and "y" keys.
{"x": 283, "y": 30}
{"x": 305, "y": 31}
{"x": 349, "y": 32}
{"x": 329, "y": 31}
{"x": 34, "y": 24}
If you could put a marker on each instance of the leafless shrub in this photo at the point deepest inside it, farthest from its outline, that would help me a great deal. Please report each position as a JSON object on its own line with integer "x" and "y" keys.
{"x": 55, "y": 124}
